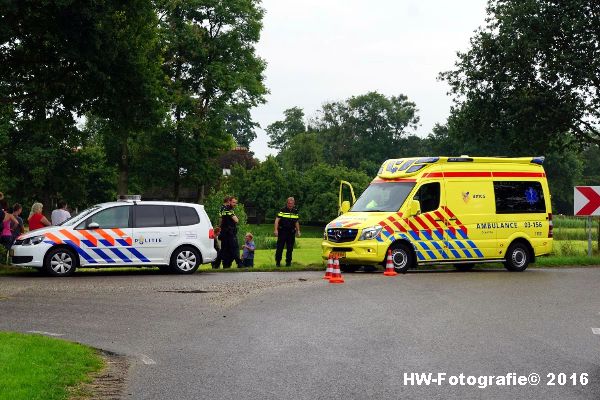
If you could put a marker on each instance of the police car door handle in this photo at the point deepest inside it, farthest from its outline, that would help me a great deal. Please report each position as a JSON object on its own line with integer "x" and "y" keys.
{"x": 172, "y": 234}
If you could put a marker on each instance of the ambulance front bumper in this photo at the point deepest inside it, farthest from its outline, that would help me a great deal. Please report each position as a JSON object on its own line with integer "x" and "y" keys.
{"x": 362, "y": 252}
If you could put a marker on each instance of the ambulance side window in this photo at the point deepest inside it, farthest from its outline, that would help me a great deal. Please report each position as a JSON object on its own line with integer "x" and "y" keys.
{"x": 429, "y": 196}
{"x": 514, "y": 197}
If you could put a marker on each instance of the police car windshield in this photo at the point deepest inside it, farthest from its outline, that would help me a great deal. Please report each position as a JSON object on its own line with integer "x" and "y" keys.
{"x": 76, "y": 218}
{"x": 383, "y": 196}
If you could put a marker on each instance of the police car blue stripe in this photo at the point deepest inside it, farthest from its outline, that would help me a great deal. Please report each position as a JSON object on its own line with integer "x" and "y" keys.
{"x": 122, "y": 242}
{"x": 138, "y": 254}
{"x": 85, "y": 255}
{"x": 104, "y": 256}
{"x": 106, "y": 242}
{"x": 120, "y": 254}
{"x": 88, "y": 243}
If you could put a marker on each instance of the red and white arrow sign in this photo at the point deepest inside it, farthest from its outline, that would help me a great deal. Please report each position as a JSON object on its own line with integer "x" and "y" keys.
{"x": 587, "y": 200}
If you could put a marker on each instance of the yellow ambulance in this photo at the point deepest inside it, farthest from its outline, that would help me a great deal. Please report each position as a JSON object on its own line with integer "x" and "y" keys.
{"x": 446, "y": 210}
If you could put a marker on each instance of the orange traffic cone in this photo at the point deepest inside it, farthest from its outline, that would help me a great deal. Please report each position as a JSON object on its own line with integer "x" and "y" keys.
{"x": 336, "y": 275}
{"x": 389, "y": 266}
{"x": 329, "y": 269}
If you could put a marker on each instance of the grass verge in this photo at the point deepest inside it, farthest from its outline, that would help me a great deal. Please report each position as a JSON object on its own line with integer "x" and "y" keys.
{"x": 38, "y": 367}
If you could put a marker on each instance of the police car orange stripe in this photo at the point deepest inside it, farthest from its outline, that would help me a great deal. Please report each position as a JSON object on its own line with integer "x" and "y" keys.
{"x": 76, "y": 241}
{"x": 106, "y": 236}
{"x": 53, "y": 238}
{"x": 93, "y": 241}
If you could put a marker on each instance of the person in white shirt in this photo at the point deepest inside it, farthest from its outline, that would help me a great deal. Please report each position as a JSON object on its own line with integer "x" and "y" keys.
{"x": 60, "y": 214}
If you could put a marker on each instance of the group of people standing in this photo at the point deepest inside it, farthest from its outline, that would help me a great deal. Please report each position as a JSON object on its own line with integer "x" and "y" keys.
{"x": 287, "y": 227}
{"x": 13, "y": 225}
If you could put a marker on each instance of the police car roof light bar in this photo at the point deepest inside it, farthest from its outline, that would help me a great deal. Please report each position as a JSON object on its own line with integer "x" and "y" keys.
{"x": 129, "y": 197}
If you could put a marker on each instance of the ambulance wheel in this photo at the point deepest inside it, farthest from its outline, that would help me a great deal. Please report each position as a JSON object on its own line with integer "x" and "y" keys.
{"x": 60, "y": 261}
{"x": 185, "y": 260}
{"x": 403, "y": 258}
{"x": 517, "y": 257}
{"x": 464, "y": 267}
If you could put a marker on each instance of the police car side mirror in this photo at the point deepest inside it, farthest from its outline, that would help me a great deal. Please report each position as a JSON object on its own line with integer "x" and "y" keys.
{"x": 93, "y": 225}
{"x": 415, "y": 207}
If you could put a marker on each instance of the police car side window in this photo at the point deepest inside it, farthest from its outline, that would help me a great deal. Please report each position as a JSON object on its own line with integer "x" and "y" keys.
{"x": 149, "y": 216}
{"x": 170, "y": 217}
{"x": 115, "y": 217}
{"x": 429, "y": 196}
{"x": 187, "y": 216}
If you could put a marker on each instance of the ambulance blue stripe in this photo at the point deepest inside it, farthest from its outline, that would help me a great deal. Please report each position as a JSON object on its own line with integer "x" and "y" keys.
{"x": 420, "y": 256}
{"x": 464, "y": 249}
{"x": 138, "y": 254}
{"x": 455, "y": 253}
{"x": 463, "y": 234}
{"x": 106, "y": 242}
{"x": 428, "y": 250}
{"x": 88, "y": 243}
{"x": 439, "y": 235}
{"x": 427, "y": 235}
{"x": 439, "y": 248}
{"x": 120, "y": 254}
{"x": 452, "y": 235}
{"x": 378, "y": 238}
{"x": 414, "y": 234}
{"x": 475, "y": 249}
{"x": 104, "y": 256}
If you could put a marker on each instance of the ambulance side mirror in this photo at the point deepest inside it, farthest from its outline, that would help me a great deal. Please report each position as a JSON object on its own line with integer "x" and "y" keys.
{"x": 93, "y": 225}
{"x": 415, "y": 207}
{"x": 345, "y": 207}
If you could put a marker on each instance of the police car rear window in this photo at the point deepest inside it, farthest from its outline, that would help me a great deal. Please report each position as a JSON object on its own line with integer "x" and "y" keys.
{"x": 187, "y": 216}
{"x": 149, "y": 216}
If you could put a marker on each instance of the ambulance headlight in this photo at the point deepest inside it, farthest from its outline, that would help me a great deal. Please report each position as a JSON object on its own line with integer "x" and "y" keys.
{"x": 371, "y": 232}
{"x": 32, "y": 240}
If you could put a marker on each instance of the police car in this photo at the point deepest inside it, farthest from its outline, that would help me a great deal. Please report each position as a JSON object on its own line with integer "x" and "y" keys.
{"x": 178, "y": 236}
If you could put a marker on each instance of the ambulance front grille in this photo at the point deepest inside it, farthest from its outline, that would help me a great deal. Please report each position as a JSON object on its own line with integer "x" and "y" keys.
{"x": 341, "y": 235}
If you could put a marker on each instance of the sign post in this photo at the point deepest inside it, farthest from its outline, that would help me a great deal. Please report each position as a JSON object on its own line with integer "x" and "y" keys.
{"x": 586, "y": 202}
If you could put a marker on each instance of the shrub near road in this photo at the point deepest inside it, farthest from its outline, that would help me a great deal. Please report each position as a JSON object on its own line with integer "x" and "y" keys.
{"x": 38, "y": 367}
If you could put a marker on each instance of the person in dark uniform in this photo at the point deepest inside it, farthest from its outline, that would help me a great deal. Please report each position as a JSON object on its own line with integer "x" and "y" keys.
{"x": 287, "y": 226}
{"x": 230, "y": 249}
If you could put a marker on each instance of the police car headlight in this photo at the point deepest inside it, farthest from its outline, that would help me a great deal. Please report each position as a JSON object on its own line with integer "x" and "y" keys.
{"x": 32, "y": 241}
{"x": 371, "y": 232}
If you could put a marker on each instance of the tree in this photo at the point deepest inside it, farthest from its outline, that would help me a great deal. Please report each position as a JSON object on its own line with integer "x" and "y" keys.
{"x": 530, "y": 75}
{"x": 371, "y": 121}
{"x": 62, "y": 59}
{"x": 282, "y": 132}
{"x": 213, "y": 78}
{"x": 302, "y": 152}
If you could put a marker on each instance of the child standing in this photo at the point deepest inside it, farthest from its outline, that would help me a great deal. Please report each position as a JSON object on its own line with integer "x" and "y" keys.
{"x": 248, "y": 251}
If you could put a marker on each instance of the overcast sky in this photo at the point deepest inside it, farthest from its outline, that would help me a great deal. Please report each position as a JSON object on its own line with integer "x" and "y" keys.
{"x": 328, "y": 50}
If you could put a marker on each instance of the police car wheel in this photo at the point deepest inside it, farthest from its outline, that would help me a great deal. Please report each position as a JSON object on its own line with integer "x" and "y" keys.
{"x": 517, "y": 257}
{"x": 402, "y": 258}
{"x": 185, "y": 260}
{"x": 60, "y": 262}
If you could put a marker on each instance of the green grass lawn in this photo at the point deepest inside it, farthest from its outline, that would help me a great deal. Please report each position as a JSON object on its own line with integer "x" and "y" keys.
{"x": 38, "y": 367}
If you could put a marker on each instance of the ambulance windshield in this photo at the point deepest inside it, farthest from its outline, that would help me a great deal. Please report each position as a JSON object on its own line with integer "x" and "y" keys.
{"x": 383, "y": 196}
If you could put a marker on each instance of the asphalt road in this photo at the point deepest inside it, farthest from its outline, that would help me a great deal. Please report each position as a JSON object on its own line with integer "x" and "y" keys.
{"x": 294, "y": 336}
